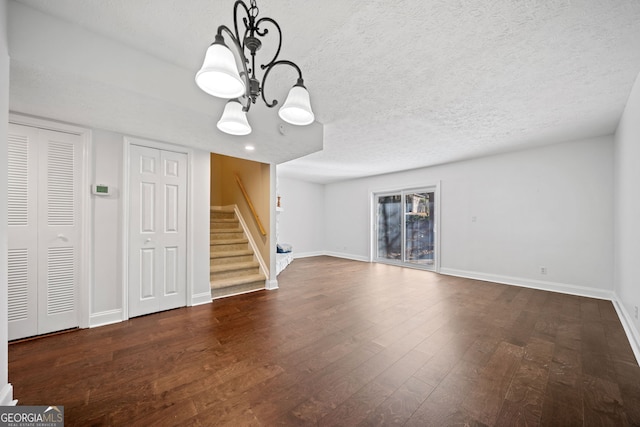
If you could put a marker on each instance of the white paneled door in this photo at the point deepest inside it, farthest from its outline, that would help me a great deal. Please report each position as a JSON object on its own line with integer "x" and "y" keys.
{"x": 44, "y": 230}
{"x": 157, "y": 230}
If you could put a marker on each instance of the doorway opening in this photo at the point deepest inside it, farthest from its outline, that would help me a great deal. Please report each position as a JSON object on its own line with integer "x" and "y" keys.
{"x": 405, "y": 227}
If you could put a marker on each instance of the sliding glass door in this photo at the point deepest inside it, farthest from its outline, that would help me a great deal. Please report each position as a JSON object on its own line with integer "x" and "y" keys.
{"x": 418, "y": 228}
{"x": 405, "y": 227}
{"x": 390, "y": 227}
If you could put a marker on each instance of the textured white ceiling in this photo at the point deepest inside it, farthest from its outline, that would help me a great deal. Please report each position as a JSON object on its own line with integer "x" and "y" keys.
{"x": 405, "y": 84}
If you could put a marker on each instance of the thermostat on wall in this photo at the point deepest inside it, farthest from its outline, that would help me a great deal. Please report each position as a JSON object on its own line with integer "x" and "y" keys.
{"x": 100, "y": 189}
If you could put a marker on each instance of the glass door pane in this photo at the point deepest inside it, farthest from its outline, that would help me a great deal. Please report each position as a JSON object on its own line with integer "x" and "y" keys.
{"x": 418, "y": 225}
{"x": 389, "y": 225}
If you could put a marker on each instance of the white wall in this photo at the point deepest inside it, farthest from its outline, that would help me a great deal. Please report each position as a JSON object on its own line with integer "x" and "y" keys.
{"x": 107, "y": 229}
{"x": 102, "y": 84}
{"x": 550, "y": 206}
{"x": 69, "y": 73}
{"x": 200, "y": 218}
{"x": 301, "y": 222}
{"x": 106, "y": 168}
{"x": 6, "y": 392}
{"x": 627, "y": 216}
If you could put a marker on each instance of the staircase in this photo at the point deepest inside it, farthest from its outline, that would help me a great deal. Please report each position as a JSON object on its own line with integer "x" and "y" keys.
{"x": 234, "y": 268}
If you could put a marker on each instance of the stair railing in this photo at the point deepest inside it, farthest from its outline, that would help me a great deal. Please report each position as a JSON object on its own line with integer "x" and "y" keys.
{"x": 251, "y": 208}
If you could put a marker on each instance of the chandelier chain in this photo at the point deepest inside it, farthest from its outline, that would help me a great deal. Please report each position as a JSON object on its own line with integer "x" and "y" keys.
{"x": 253, "y": 9}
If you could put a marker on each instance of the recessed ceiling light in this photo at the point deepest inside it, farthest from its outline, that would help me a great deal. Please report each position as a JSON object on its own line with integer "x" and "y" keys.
{"x": 249, "y": 147}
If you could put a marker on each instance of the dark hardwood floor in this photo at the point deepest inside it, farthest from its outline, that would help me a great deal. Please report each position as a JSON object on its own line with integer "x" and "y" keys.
{"x": 346, "y": 343}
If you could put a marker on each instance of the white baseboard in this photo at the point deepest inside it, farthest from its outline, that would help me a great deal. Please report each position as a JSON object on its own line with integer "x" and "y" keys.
{"x": 271, "y": 285}
{"x": 105, "y": 318}
{"x": 346, "y": 256}
{"x": 239, "y": 293}
{"x": 307, "y": 254}
{"x": 6, "y": 396}
{"x": 202, "y": 298}
{"x": 629, "y": 328}
{"x": 562, "y": 288}
{"x": 297, "y": 255}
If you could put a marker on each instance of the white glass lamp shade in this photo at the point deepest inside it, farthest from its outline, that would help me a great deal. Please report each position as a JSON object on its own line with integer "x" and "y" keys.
{"x": 297, "y": 107}
{"x": 219, "y": 74}
{"x": 234, "y": 120}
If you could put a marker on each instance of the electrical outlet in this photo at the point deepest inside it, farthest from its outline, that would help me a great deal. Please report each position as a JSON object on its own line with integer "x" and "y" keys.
{"x": 636, "y": 311}
{"x": 543, "y": 270}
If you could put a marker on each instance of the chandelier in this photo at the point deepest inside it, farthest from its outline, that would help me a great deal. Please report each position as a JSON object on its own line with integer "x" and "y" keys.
{"x": 219, "y": 75}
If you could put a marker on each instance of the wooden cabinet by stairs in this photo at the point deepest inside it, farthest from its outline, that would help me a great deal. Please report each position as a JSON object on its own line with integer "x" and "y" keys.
{"x": 234, "y": 268}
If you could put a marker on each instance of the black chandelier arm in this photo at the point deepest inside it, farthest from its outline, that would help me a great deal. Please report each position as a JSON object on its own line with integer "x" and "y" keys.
{"x": 244, "y": 74}
{"x": 268, "y": 69}
{"x": 245, "y": 107}
{"x": 264, "y": 32}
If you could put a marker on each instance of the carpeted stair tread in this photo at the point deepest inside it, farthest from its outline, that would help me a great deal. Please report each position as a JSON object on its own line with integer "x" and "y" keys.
{"x": 234, "y": 281}
{"x": 226, "y": 230}
{"x": 218, "y": 242}
{"x": 234, "y": 266}
{"x": 226, "y": 254}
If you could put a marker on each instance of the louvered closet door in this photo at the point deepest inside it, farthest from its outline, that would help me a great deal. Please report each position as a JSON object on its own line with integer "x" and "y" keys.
{"x": 58, "y": 230}
{"x": 22, "y": 231}
{"x": 157, "y": 227}
{"x": 43, "y": 230}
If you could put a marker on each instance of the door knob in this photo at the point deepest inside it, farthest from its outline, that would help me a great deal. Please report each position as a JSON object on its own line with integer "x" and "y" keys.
{"x": 62, "y": 237}
{"x": 148, "y": 240}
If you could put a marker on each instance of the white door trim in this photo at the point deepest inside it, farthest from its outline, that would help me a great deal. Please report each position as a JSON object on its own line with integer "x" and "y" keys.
{"x": 126, "y": 163}
{"x": 86, "y": 242}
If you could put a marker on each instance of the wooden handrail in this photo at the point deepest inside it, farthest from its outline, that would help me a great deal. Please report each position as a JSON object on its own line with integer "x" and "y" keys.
{"x": 253, "y": 210}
